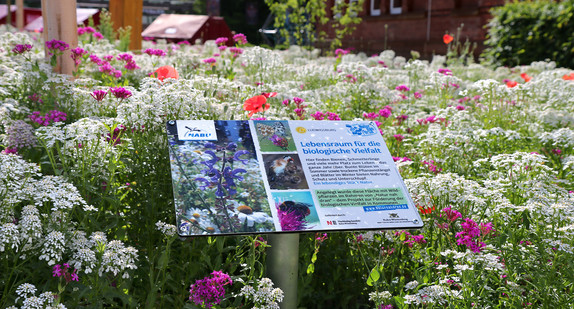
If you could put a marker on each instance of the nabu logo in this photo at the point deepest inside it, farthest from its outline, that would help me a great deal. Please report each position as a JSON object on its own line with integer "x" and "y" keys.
{"x": 195, "y": 133}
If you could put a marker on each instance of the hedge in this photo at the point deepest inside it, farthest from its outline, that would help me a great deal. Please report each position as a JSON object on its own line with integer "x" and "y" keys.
{"x": 522, "y": 32}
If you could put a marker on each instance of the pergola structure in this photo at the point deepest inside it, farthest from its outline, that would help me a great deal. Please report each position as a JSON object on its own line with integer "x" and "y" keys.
{"x": 60, "y": 23}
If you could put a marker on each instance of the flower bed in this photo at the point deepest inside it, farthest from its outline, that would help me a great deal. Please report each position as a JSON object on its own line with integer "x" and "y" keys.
{"x": 86, "y": 199}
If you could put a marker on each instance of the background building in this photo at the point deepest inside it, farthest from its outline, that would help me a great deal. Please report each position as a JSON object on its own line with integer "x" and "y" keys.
{"x": 405, "y": 25}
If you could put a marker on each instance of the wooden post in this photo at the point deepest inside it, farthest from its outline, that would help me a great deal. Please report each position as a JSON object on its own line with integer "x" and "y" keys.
{"x": 20, "y": 14}
{"x": 9, "y": 9}
{"x": 128, "y": 13}
{"x": 60, "y": 23}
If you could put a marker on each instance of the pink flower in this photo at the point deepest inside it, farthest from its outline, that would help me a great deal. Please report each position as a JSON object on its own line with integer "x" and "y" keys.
{"x": 240, "y": 39}
{"x": 21, "y": 48}
{"x": 120, "y": 92}
{"x": 403, "y": 88}
{"x": 318, "y": 115}
{"x": 56, "y": 46}
{"x": 99, "y": 95}
{"x": 385, "y": 113}
{"x": 221, "y": 41}
{"x": 155, "y": 52}
{"x": 340, "y": 52}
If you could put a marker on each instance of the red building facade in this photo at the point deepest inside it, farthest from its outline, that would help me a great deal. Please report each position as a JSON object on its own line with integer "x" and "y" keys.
{"x": 419, "y": 25}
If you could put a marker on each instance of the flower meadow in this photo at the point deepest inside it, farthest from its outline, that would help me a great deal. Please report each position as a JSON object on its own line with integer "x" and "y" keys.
{"x": 87, "y": 209}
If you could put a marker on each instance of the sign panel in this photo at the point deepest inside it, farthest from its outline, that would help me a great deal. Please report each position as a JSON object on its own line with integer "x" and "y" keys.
{"x": 266, "y": 176}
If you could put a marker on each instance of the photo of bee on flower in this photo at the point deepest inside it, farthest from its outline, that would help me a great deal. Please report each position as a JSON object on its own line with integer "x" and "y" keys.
{"x": 274, "y": 136}
{"x": 296, "y": 210}
{"x": 284, "y": 171}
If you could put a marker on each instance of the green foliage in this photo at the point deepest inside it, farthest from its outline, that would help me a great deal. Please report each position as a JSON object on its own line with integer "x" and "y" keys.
{"x": 106, "y": 27}
{"x": 523, "y": 32}
{"x": 298, "y": 20}
{"x": 124, "y": 35}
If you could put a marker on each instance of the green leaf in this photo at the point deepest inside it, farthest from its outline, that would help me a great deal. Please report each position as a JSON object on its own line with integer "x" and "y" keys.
{"x": 374, "y": 276}
{"x": 311, "y": 268}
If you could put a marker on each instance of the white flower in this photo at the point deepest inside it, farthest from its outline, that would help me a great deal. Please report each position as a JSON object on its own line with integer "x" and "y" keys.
{"x": 53, "y": 247}
{"x": 168, "y": 230}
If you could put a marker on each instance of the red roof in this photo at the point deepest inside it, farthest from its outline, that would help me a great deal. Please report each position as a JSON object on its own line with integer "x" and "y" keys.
{"x": 177, "y": 27}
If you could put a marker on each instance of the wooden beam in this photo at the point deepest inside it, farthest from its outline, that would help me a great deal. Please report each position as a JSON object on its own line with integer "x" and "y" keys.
{"x": 128, "y": 13}
{"x": 20, "y": 14}
{"x": 60, "y": 23}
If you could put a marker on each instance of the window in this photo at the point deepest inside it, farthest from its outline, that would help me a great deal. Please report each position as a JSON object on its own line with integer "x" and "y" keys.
{"x": 375, "y": 7}
{"x": 396, "y": 6}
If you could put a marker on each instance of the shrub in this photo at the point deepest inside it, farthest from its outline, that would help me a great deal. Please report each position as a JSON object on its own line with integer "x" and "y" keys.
{"x": 522, "y": 32}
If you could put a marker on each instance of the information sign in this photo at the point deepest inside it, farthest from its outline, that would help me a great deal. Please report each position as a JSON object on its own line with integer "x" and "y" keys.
{"x": 266, "y": 176}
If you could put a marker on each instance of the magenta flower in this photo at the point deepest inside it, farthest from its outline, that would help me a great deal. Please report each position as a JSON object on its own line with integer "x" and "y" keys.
{"x": 99, "y": 95}
{"x": 398, "y": 137}
{"x": 371, "y": 115}
{"x": 58, "y": 271}
{"x": 21, "y": 48}
{"x": 211, "y": 61}
{"x": 385, "y": 112}
{"x": 340, "y": 52}
{"x": 445, "y": 71}
{"x": 403, "y": 88}
{"x": 472, "y": 234}
{"x": 98, "y": 35}
{"x": 56, "y": 47}
{"x": 240, "y": 39}
{"x": 318, "y": 115}
{"x": 418, "y": 95}
{"x": 291, "y": 220}
{"x": 9, "y": 150}
{"x": 209, "y": 291}
{"x": 236, "y": 50}
{"x": 95, "y": 59}
{"x": 221, "y": 41}
{"x": 279, "y": 141}
{"x": 50, "y": 117}
{"x": 333, "y": 116}
{"x": 451, "y": 214}
{"x": 155, "y": 52}
{"x": 77, "y": 54}
{"x": 120, "y": 92}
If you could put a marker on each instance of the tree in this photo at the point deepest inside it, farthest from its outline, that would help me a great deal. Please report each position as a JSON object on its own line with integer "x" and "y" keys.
{"x": 298, "y": 20}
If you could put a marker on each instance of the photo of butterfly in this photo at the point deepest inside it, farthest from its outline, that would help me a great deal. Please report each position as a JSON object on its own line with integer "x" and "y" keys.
{"x": 265, "y": 130}
{"x": 274, "y": 135}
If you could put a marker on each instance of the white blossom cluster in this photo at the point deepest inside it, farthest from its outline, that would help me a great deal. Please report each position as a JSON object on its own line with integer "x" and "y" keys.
{"x": 29, "y": 300}
{"x": 433, "y": 294}
{"x": 169, "y": 230}
{"x": 118, "y": 259}
{"x": 263, "y": 296}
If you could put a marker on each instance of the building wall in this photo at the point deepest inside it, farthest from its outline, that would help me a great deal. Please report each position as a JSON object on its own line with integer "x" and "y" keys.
{"x": 409, "y": 29}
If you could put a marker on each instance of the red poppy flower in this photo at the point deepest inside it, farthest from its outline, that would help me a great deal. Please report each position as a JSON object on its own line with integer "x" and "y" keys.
{"x": 166, "y": 71}
{"x": 256, "y": 104}
{"x": 511, "y": 84}
{"x": 447, "y": 38}
{"x": 568, "y": 76}
{"x": 526, "y": 77}
{"x": 425, "y": 211}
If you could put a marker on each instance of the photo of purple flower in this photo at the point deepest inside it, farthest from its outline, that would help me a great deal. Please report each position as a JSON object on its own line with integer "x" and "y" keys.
{"x": 218, "y": 186}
